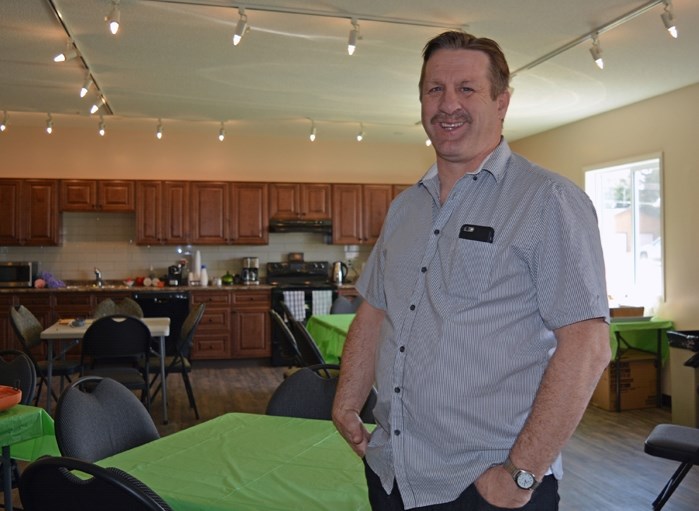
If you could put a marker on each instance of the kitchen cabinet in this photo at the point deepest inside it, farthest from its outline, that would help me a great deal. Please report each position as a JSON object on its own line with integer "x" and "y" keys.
{"x": 29, "y": 209}
{"x": 359, "y": 212}
{"x": 162, "y": 213}
{"x": 229, "y": 213}
{"x": 293, "y": 201}
{"x": 250, "y": 324}
{"x": 397, "y": 189}
{"x": 97, "y": 195}
{"x": 212, "y": 340}
{"x": 8, "y": 339}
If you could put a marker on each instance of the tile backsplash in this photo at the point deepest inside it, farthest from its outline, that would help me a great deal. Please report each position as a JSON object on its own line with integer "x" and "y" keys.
{"x": 107, "y": 241}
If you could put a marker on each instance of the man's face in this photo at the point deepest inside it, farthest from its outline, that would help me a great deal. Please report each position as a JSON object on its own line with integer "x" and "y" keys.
{"x": 463, "y": 122}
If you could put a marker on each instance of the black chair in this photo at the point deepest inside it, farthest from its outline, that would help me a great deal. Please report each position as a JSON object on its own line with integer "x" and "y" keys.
{"x": 117, "y": 347}
{"x": 178, "y": 358}
{"x": 310, "y": 354}
{"x": 309, "y": 394}
{"x": 48, "y": 484}
{"x": 99, "y": 417}
{"x": 342, "y": 305}
{"x": 289, "y": 347}
{"x": 677, "y": 443}
{"x": 17, "y": 370}
{"x": 28, "y": 330}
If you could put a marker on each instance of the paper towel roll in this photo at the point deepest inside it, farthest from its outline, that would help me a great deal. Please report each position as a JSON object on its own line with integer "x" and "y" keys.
{"x": 197, "y": 265}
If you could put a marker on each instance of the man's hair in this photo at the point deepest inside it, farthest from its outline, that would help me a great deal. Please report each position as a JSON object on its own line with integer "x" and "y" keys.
{"x": 455, "y": 40}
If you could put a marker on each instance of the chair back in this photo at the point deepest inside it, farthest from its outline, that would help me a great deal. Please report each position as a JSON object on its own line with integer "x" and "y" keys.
{"x": 116, "y": 336}
{"x": 99, "y": 417}
{"x": 49, "y": 484}
{"x": 27, "y": 327}
{"x": 289, "y": 347}
{"x": 17, "y": 370}
{"x": 129, "y": 307}
{"x": 106, "y": 307}
{"x": 309, "y": 393}
{"x": 308, "y": 348}
{"x": 189, "y": 327}
{"x": 341, "y": 305}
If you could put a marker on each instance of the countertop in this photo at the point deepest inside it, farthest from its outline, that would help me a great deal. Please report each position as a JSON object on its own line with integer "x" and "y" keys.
{"x": 112, "y": 288}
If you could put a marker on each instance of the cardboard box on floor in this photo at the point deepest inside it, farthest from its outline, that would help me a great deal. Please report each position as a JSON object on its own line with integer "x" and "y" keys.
{"x": 638, "y": 383}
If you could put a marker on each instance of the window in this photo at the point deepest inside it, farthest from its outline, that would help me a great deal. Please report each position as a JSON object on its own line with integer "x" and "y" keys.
{"x": 628, "y": 199}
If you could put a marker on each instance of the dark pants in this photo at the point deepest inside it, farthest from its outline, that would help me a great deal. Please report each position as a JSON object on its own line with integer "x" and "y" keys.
{"x": 545, "y": 498}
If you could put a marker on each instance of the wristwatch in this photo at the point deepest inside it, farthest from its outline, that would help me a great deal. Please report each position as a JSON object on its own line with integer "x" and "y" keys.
{"x": 522, "y": 478}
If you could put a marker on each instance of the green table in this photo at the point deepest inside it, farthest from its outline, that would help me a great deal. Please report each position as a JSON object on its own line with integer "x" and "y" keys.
{"x": 329, "y": 332}
{"x": 26, "y": 433}
{"x": 647, "y": 335}
{"x": 247, "y": 462}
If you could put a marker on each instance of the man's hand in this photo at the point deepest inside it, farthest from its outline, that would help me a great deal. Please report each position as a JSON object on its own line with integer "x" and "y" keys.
{"x": 352, "y": 430}
{"x": 496, "y": 486}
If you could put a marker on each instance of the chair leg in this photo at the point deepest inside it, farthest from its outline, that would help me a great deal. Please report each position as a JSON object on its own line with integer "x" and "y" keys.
{"x": 190, "y": 393}
{"x": 671, "y": 485}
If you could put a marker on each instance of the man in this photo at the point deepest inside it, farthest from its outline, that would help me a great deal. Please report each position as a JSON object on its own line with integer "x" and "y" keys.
{"x": 485, "y": 319}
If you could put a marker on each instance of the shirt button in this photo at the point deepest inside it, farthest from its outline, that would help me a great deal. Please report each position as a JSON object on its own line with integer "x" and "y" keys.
{"x": 397, "y": 390}
{"x": 423, "y": 269}
{"x": 436, "y": 231}
{"x": 396, "y": 432}
{"x": 475, "y": 178}
{"x": 401, "y": 349}
{"x": 412, "y": 307}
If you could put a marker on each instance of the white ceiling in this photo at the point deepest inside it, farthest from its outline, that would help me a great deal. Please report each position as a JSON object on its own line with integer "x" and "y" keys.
{"x": 174, "y": 60}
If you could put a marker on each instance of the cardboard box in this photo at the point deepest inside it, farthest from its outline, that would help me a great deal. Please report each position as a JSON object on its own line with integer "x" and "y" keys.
{"x": 638, "y": 383}
{"x": 626, "y": 311}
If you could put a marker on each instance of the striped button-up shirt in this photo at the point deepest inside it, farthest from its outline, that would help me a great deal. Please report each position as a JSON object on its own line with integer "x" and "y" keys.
{"x": 469, "y": 325}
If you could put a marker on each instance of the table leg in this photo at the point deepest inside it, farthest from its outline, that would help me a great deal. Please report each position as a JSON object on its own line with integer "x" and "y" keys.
{"x": 617, "y": 372}
{"x": 163, "y": 379}
{"x": 658, "y": 370}
{"x": 49, "y": 375}
{"x": 7, "y": 475}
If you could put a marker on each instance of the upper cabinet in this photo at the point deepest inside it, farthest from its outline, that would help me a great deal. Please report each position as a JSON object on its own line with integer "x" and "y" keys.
{"x": 97, "y": 195}
{"x": 229, "y": 213}
{"x": 162, "y": 212}
{"x": 294, "y": 201}
{"x": 359, "y": 212}
{"x": 29, "y": 209}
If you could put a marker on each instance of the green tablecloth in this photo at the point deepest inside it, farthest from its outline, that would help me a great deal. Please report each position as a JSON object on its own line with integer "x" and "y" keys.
{"x": 249, "y": 462}
{"x": 29, "y": 432}
{"x": 329, "y": 332}
{"x": 641, "y": 335}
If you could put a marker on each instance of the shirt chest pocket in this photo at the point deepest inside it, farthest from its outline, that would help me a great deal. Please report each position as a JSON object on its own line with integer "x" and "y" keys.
{"x": 469, "y": 268}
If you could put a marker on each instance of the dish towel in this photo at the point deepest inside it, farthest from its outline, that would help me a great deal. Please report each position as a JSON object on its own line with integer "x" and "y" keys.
{"x": 322, "y": 301}
{"x": 295, "y": 301}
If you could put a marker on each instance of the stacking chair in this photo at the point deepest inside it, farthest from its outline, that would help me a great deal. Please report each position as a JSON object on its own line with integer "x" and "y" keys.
{"x": 17, "y": 370}
{"x": 130, "y": 307}
{"x": 178, "y": 357}
{"x": 289, "y": 347}
{"x": 677, "y": 443}
{"x": 99, "y": 417}
{"x": 310, "y": 354}
{"x": 49, "y": 484}
{"x": 309, "y": 394}
{"x": 117, "y": 347}
{"x": 28, "y": 330}
{"x": 106, "y": 307}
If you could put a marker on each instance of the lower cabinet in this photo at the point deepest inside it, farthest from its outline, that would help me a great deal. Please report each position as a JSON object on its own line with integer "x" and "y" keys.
{"x": 213, "y": 336}
{"x": 250, "y": 333}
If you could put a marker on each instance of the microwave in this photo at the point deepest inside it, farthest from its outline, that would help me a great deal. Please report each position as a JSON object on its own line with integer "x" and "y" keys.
{"x": 18, "y": 273}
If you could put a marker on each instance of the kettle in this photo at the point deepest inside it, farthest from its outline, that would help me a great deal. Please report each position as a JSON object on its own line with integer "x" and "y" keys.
{"x": 339, "y": 272}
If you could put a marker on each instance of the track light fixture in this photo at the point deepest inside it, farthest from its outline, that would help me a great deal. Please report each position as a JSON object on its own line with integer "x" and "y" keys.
{"x": 3, "y": 125}
{"x": 668, "y": 18}
{"x": 221, "y": 133}
{"x": 241, "y": 27}
{"x": 102, "y": 129}
{"x": 98, "y": 104}
{"x": 596, "y": 52}
{"x": 353, "y": 36}
{"x": 312, "y": 136}
{"x": 86, "y": 86}
{"x": 360, "y": 135}
{"x": 428, "y": 142}
{"x": 113, "y": 19}
{"x": 68, "y": 54}
{"x": 49, "y": 125}
{"x": 159, "y": 130}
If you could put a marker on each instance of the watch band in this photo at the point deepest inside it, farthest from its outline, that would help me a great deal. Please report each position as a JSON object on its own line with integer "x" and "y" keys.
{"x": 522, "y": 478}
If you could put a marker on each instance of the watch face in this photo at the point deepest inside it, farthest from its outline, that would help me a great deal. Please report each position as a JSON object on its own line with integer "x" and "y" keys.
{"x": 525, "y": 480}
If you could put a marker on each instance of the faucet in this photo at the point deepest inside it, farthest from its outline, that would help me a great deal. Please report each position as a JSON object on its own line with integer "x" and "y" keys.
{"x": 98, "y": 278}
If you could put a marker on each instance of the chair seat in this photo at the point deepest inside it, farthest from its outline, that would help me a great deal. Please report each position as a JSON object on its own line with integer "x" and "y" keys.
{"x": 170, "y": 364}
{"x": 130, "y": 378}
{"x": 674, "y": 442}
{"x": 60, "y": 367}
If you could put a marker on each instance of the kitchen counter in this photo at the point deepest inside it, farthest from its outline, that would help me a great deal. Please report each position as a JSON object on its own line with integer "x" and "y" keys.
{"x": 111, "y": 288}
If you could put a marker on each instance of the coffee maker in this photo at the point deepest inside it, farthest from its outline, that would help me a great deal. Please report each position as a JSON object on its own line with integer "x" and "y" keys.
{"x": 174, "y": 275}
{"x": 251, "y": 270}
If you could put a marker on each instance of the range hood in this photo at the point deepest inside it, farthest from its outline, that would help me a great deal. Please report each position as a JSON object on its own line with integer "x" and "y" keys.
{"x": 319, "y": 226}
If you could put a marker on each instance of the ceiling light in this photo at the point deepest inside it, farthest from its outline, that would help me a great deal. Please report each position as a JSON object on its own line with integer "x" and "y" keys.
{"x": 3, "y": 125}
{"x": 86, "y": 87}
{"x": 159, "y": 130}
{"x": 428, "y": 142}
{"x": 221, "y": 133}
{"x": 669, "y": 19}
{"x": 98, "y": 104}
{"x": 68, "y": 54}
{"x": 312, "y": 136}
{"x": 353, "y": 36}
{"x": 241, "y": 27}
{"x": 102, "y": 128}
{"x": 49, "y": 125}
{"x": 114, "y": 17}
{"x": 596, "y": 52}
{"x": 360, "y": 135}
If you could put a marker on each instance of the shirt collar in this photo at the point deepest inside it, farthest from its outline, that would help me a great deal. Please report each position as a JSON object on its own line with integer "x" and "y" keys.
{"x": 494, "y": 163}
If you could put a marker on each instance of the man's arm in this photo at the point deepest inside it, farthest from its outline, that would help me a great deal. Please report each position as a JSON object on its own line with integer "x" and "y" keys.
{"x": 357, "y": 376}
{"x": 582, "y": 354}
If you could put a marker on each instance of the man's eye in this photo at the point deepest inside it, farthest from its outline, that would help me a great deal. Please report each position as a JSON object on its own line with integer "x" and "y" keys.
{"x": 466, "y": 89}
{"x": 433, "y": 90}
